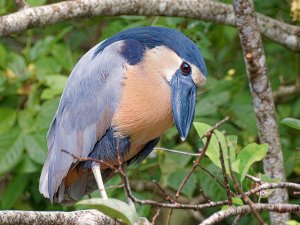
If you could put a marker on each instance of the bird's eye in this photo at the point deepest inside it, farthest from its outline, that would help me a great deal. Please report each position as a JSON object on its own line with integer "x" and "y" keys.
{"x": 185, "y": 68}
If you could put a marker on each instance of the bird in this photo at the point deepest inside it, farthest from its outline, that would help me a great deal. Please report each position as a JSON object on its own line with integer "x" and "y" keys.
{"x": 119, "y": 99}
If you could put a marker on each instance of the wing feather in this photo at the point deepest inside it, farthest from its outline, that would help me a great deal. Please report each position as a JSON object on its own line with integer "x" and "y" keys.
{"x": 85, "y": 112}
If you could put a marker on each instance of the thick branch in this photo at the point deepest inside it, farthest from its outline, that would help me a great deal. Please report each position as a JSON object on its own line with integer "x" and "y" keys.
{"x": 262, "y": 97}
{"x": 242, "y": 210}
{"x": 81, "y": 217}
{"x": 207, "y": 10}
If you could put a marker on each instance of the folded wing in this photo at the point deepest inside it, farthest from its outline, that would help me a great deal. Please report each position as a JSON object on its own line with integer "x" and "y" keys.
{"x": 85, "y": 112}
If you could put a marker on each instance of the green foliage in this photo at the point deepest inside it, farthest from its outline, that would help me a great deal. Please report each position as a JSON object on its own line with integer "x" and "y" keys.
{"x": 291, "y": 122}
{"x": 34, "y": 67}
{"x": 11, "y": 149}
{"x": 293, "y": 222}
{"x": 240, "y": 162}
{"x": 217, "y": 141}
{"x": 236, "y": 202}
{"x": 7, "y": 118}
{"x": 247, "y": 156}
{"x": 114, "y": 208}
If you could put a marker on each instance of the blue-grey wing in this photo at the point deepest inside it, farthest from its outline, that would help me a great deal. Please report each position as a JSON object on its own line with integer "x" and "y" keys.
{"x": 85, "y": 112}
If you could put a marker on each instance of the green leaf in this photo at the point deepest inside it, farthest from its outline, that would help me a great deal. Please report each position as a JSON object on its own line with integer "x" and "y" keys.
{"x": 225, "y": 207}
{"x": 212, "y": 189}
{"x": 56, "y": 83}
{"x": 293, "y": 222}
{"x": 36, "y": 2}
{"x": 36, "y": 147}
{"x": 213, "y": 148}
{"x": 114, "y": 208}
{"x": 243, "y": 112}
{"x": 249, "y": 155}
{"x": 209, "y": 105}
{"x": 266, "y": 178}
{"x": 231, "y": 143}
{"x": 27, "y": 166}
{"x": 2, "y": 56}
{"x": 7, "y": 118}
{"x": 25, "y": 120}
{"x": 11, "y": 149}
{"x": 237, "y": 201}
{"x": 50, "y": 93}
{"x": 175, "y": 179}
{"x": 14, "y": 190}
{"x": 41, "y": 48}
{"x": 46, "y": 66}
{"x": 46, "y": 114}
{"x": 18, "y": 64}
{"x": 63, "y": 56}
{"x": 170, "y": 162}
{"x": 291, "y": 122}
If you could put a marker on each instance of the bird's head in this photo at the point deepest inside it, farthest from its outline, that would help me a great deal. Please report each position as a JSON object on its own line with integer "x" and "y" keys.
{"x": 171, "y": 57}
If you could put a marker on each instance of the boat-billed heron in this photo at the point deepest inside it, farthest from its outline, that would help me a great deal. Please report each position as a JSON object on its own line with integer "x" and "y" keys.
{"x": 119, "y": 99}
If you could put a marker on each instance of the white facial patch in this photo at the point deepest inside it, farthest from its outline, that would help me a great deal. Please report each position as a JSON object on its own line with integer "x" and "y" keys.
{"x": 165, "y": 62}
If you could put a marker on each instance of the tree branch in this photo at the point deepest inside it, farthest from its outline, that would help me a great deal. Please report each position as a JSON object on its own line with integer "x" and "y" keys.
{"x": 242, "y": 210}
{"x": 266, "y": 186}
{"x": 207, "y": 10}
{"x": 286, "y": 91}
{"x": 262, "y": 98}
{"x": 80, "y": 217}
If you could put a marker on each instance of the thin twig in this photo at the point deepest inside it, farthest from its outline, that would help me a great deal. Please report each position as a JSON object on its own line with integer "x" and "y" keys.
{"x": 177, "y": 151}
{"x": 278, "y": 185}
{"x": 196, "y": 163}
{"x": 206, "y": 199}
{"x": 255, "y": 179}
{"x": 208, "y": 136}
{"x": 115, "y": 186}
{"x": 189, "y": 174}
{"x": 226, "y": 184}
{"x": 236, "y": 219}
{"x": 212, "y": 176}
{"x": 177, "y": 205}
{"x": 246, "y": 199}
{"x": 154, "y": 218}
{"x": 287, "y": 91}
{"x": 83, "y": 159}
{"x": 167, "y": 196}
{"x": 215, "y": 126}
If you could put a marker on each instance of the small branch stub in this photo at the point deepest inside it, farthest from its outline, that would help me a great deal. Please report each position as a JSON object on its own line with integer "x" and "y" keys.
{"x": 21, "y": 4}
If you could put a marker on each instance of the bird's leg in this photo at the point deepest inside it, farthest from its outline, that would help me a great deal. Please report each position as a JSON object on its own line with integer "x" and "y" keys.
{"x": 97, "y": 173}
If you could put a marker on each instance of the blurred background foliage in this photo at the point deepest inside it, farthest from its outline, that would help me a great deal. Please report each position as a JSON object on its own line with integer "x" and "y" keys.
{"x": 34, "y": 67}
